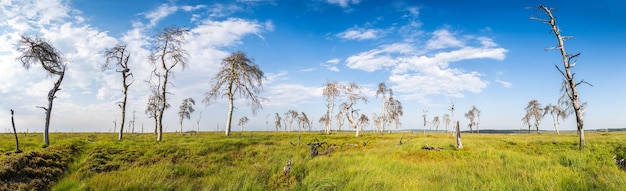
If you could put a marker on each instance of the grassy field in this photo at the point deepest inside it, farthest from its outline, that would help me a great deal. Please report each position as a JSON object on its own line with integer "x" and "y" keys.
{"x": 255, "y": 161}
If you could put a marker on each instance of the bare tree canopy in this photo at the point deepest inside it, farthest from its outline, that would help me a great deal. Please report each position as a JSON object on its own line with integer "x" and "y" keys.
{"x": 446, "y": 121}
{"x": 277, "y": 121}
{"x": 557, "y": 113}
{"x": 569, "y": 83}
{"x": 290, "y": 116}
{"x": 534, "y": 110}
{"x": 38, "y": 51}
{"x": 167, "y": 53}
{"x": 303, "y": 122}
{"x": 186, "y": 108}
{"x": 242, "y": 121}
{"x": 382, "y": 91}
{"x": 474, "y": 116}
{"x": 239, "y": 75}
{"x": 330, "y": 92}
{"x": 117, "y": 57}
{"x": 393, "y": 109}
{"x": 353, "y": 93}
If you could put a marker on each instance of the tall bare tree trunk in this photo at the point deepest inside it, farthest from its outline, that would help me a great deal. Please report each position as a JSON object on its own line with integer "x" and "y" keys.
{"x": 556, "y": 124}
{"x": 51, "y": 96}
{"x": 354, "y": 125}
{"x": 17, "y": 142}
{"x": 163, "y": 102}
{"x": 571, "y": 90}
{"x": 330, "y": 116}
{"x": 120, "y": 137}
{"x": 230, "y": 108}
{"x": 459, "y": 144}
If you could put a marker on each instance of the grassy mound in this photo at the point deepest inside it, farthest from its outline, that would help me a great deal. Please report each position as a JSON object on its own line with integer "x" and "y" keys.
{"x": 37, "y": 169}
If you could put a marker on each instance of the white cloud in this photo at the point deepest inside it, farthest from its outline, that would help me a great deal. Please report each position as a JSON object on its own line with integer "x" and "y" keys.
{"x": 505, "y": 83}
{"x": 271, "y": 77}
{"x": 192, "y": 8}
{"x": 419, "y": 74}
{"x": 161, "y": 12}
{"x": 343, "y": 3}
{"x": 376, "y": 59}
{"x": 331, "y": 64}
{"x": 359, "y": 34}
{"x": 443, "y": 39}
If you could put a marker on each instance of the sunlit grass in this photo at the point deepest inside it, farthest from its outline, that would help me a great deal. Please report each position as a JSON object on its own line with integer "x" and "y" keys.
{"x": 254, "y": 161}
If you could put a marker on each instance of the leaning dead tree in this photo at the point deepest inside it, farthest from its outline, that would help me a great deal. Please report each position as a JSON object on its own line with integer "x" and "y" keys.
{"x": 118, "y": 57}
{"x": 353, "y": 93}
{"x": 569, "y": 60}
{"x": 38, "y": 51}
{"x": 17, "y": 142}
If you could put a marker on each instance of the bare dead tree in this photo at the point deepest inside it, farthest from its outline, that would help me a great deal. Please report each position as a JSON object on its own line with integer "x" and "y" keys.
{"x": 435, "y": 122}
{"x": 425, "y": 121}
{"x": 242, "y": 121}
{"x": 186, "y": 108}
{"x": 394, "y": 110}
{"x": 446, "y": 121}
{"x": 239, "y": 75}
{"x": 277, "y": 120}
{"x": 339, "y": 119}
{"x": 117, "y": 57}
{"x": 569, "y": 60}
{"x": 473, "y": 114}
{"x": 290, "y": 116}
{"x": 330, "y": 92}
{"x": 167, "y": 53}
{"x": 363, "y": 121}
{"x": 303, "y": 121}
{"x": 382, "y": 91}
{"x": 557, "y": 113}
{"x": 17, "y": 142}
{"x": 156, "y": 102}
{"x": 132, "y": 121}
{"x": 535, "y": 111}
{"x": 198, "y": 120}
{"x": 323, "y": 120}
{"x": 38, "y": 51}
{"x": 353, "y": 94}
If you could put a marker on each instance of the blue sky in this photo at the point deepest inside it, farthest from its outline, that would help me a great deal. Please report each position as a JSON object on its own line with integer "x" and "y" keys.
{"x": 483, "y": 53}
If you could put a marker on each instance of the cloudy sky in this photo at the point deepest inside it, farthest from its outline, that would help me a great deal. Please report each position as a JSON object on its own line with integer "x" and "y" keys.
{"x": 483, "y": 53}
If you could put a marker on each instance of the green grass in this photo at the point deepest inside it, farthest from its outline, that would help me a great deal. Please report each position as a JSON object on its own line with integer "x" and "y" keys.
{"x": 254, "y": 161}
